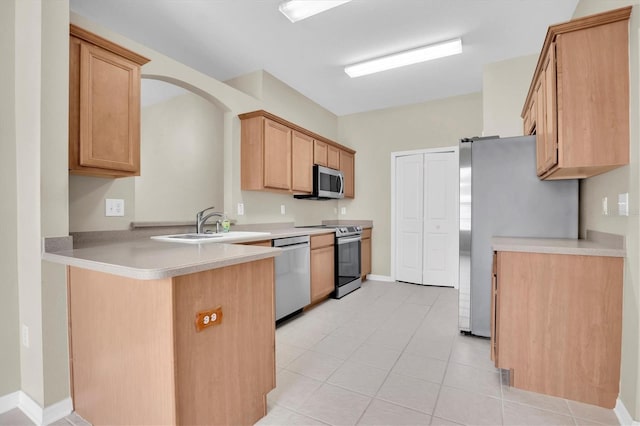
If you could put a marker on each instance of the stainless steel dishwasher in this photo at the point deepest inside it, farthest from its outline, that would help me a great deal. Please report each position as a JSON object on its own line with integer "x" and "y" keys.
{"x": 293, "y": 282}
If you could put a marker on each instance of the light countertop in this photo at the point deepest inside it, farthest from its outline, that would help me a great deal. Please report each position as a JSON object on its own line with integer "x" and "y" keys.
{"x": 147, "y": 259}
{"x": 581, "y": 247}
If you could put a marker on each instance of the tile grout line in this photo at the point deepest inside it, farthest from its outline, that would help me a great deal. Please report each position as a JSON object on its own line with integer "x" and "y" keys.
{"x": 394, "y": 364}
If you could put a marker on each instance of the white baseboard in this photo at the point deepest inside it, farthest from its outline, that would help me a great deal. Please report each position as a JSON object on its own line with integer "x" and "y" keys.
{"x": 33, "y": 410}
{"x": 624, "y": 417}
{"x": 57, "y": 411}
{"x": 9, "y": 402}
{"x": 380, "y": 278}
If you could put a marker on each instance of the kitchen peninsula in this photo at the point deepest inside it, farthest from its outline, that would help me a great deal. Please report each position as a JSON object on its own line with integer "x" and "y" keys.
{"x": 169, "y": 333}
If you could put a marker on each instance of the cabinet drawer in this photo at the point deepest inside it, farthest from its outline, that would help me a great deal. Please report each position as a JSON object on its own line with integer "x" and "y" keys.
{"x": 323, "y": 240}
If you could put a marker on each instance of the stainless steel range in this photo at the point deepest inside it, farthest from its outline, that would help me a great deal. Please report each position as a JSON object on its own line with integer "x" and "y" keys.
{"x": 347, "y": 258}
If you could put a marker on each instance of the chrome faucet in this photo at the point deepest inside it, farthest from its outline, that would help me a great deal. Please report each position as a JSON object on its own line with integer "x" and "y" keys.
{"x": 201, "y": 219}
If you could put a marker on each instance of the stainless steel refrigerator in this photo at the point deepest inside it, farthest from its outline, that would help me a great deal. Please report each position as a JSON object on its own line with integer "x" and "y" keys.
{"x": 500, "y": 195}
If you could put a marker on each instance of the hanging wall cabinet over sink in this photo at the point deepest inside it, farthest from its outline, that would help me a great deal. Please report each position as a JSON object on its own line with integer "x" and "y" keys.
{"x": 578, "y": 101}
{"x": 278, "y": 156}
{"x": 104, "y": 106}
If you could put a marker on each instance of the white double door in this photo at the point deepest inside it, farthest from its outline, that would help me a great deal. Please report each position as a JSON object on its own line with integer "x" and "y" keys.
{"x": 426, "y": 213}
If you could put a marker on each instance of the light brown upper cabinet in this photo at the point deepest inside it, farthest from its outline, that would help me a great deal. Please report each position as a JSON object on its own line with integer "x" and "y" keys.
{"x": 333, "y": 157}
{"x": 580, "y": 95}
{"x": 265, "y": 155}
{"x": 278, "y": 156}
{"x": 320, "y": 153}
{"x": 104, "y": 106}
{"x": 347, "y": 167}
{"x": 302, "y": 163}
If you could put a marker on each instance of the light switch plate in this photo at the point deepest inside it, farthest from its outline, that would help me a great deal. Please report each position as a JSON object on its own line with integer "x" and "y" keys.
{"x": 113, "y": 207}
{"x": 240, "y": 209}
{"x": 605, "y": 207}
{"x": 283, "y": 209}
{"x": 343, "y": 210}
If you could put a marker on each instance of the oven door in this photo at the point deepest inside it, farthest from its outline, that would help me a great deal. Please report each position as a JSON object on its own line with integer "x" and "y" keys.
{"x": 348, "y": 265}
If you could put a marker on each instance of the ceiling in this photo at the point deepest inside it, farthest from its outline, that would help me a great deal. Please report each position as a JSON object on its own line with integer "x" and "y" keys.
{"x": 230, "y": 38}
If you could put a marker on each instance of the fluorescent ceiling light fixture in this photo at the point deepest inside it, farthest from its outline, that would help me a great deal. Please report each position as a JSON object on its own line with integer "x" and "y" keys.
{"x": 297, "y": 10}
{"x": 408, "y": 57}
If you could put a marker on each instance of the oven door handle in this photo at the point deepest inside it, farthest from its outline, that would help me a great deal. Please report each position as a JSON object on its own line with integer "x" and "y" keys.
{"x": 348, "y": 240}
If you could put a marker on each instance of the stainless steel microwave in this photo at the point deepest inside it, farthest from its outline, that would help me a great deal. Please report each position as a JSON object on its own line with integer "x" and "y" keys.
{"x": 327, "y": 184}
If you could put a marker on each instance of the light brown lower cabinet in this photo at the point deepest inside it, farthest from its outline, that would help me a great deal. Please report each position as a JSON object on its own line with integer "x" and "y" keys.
{"x": 322, "y": 266}
{"x": 365, "y": 253}
{"x": 557, "y": 324}
{"x": 137, "y": 358}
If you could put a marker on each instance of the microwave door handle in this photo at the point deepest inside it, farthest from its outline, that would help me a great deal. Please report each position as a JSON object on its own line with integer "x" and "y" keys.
{"x": 341, "y": 191}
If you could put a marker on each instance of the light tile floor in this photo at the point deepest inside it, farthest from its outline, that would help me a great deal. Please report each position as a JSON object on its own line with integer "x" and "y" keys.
{"x": 391, "y": 354}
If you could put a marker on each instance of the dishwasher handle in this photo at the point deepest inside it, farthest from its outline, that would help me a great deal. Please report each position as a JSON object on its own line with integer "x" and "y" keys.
{"x": 294, "y": 247}
{"x": 290, "y": 241}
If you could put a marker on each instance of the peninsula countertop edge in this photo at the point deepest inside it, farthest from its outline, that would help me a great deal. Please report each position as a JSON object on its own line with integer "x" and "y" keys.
{"x": 147, "y": 259}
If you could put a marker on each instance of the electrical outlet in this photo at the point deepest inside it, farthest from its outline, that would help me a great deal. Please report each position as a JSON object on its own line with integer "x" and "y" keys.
{"x": 343, "y": 210}
{"x": 240, "y": 209}
{"x": 283, "y": 210}
{"x": 623, "y": 204}
{"x": 25, "y": 336}
{"x": 605, "y": 207}
{"x": 208, "y": 318}
{"x": 113, "y": 207}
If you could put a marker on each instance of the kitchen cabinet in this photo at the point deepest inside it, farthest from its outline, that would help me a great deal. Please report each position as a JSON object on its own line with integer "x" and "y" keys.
{"x": 278, "y": 156}
{"x": 580, "y": 90}
{"x": 333, "y": 157}
{"x": 556, "y": 323}
{"x": 347, "y": 166}
{"x": 322, "y": 266}
{"x": 104, "y": 107}
{"x": 265, "y": 155}
{"x": 365, "y": 253}
{"x": 139, "y": 355}
{"x": 320, "y": 153}
{"x": 302, "y": 147}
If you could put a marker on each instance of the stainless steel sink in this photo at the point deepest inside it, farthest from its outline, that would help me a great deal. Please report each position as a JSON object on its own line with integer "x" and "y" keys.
{"x": 210, "y": 238}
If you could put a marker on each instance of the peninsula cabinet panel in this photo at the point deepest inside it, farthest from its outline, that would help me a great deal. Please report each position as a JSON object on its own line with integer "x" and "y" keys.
{"x": 137, "y": 358}
{"x": 347, "y": 168}
{"x": 302, "y": 163}
{"x": 104, "y": 107}
{"x": 584, "y": 70}
{"x": 558, "y": 324}
{"x": 333, "y": 157}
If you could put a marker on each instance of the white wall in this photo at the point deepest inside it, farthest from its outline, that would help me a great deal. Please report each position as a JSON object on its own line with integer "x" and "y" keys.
{"x": 9, "y": 312}
{"x": 376, "y": 134}
{"x": 504, "y": 89}
{"x": 182, "y": 160}
{"x": 625, "y": 179}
